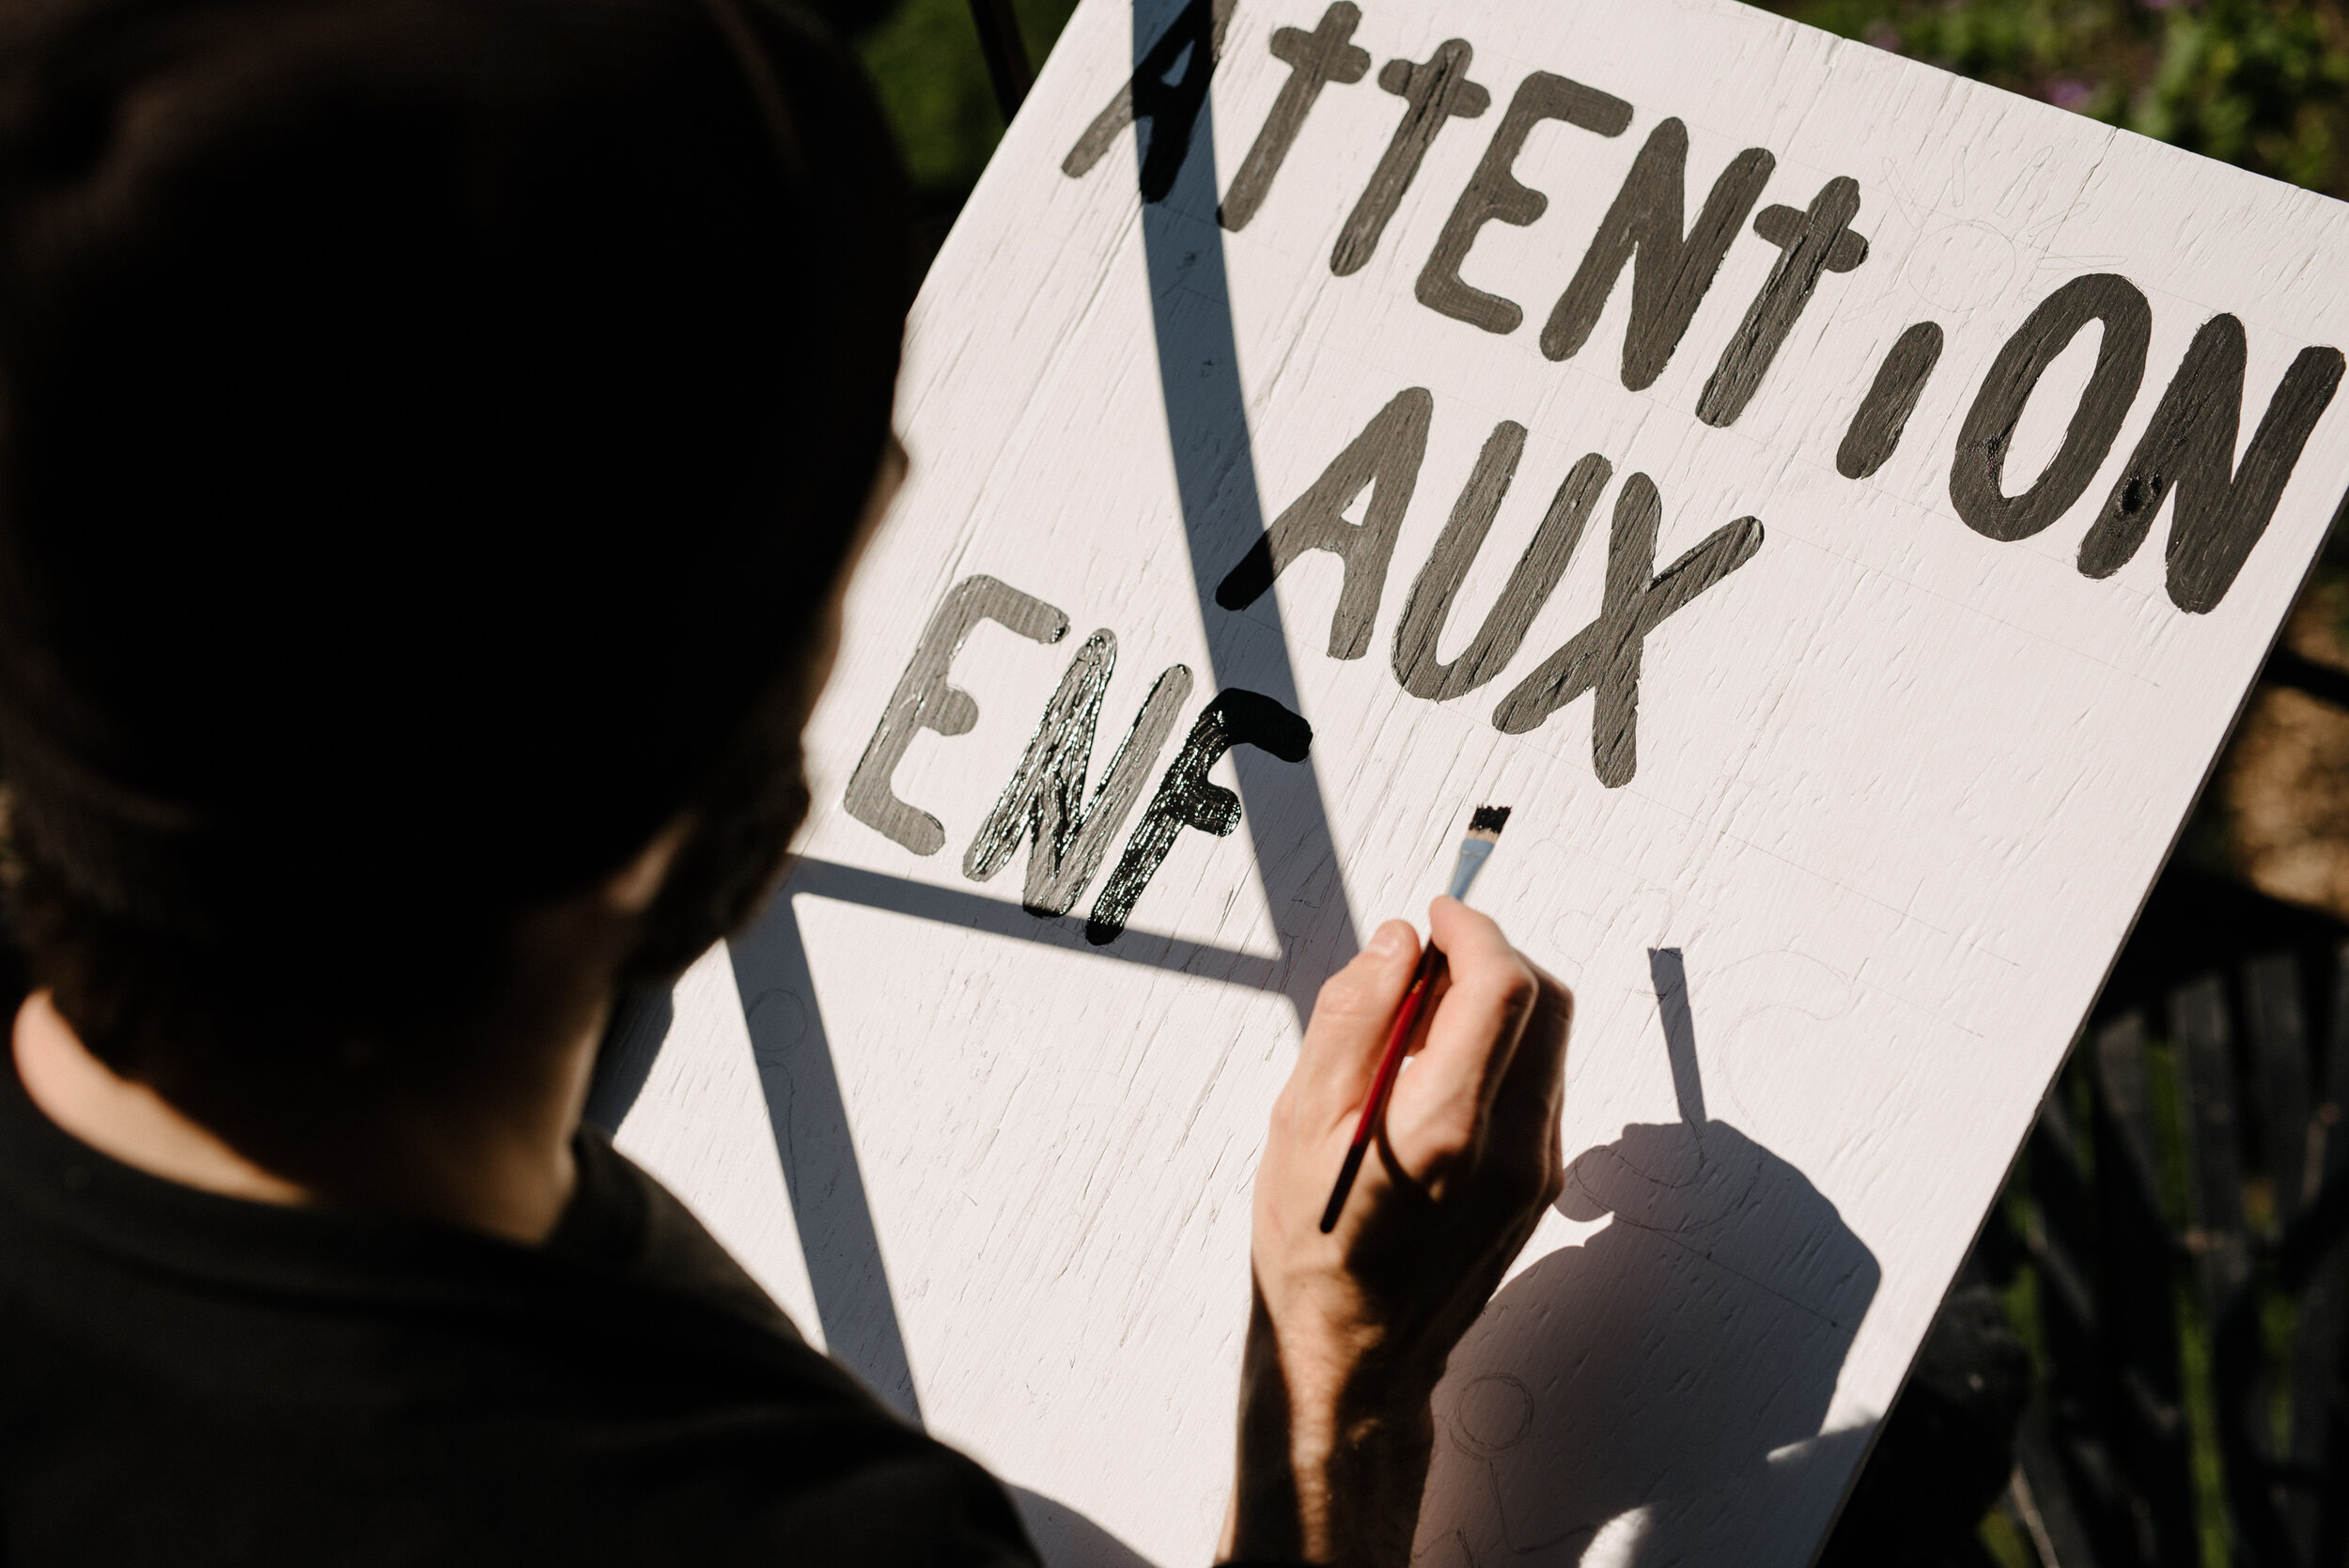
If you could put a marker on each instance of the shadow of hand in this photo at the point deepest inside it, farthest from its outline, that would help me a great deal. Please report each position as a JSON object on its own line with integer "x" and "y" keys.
{"x": 1727, "y": 1288}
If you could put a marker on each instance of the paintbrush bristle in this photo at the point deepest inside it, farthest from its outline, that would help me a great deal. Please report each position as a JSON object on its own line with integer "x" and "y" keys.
{"x": 1488, "y": 821}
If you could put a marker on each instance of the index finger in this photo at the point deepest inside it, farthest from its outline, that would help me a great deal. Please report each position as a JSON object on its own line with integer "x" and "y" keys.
{"x": 1533, "y": 1092}
{"x": 1478, "y": 1022}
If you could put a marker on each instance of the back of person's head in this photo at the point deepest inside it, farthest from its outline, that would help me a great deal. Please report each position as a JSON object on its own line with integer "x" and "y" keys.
{"x": 428, "y": 430}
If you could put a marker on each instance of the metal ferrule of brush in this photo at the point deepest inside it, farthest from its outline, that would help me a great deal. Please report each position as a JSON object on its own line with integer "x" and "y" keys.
{"x": 1474, "y": 852}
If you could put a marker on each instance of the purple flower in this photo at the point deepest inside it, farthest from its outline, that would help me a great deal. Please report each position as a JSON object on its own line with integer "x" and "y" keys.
{"x": 2070, "y": 92}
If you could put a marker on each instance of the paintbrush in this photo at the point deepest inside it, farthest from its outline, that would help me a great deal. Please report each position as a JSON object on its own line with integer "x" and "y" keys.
{"x": 1483, "y": 832}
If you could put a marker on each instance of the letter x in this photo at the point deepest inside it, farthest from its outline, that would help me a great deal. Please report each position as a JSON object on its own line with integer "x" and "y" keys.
{"x": 1603, "y": 657}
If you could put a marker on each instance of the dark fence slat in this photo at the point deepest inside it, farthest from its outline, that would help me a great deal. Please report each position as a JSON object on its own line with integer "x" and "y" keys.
{"x": 2062, "y": 1233}
{"x": 2221, "y": 1245}
{"x": 2183, "y": 1203}
{"x": 2198, "y": 1025}
{"x": 2280, "y": 1060}
{"x": 2136, "y": 1357}
{"x": 2280, "y": 1048}
{"x": 1006, "y": 53}
{"x": 2096, "y": 1502}
{"x": 2129, "y": 1101}
{"x": 2044, "y": 1498}
{"x": 2316, "y": 1417}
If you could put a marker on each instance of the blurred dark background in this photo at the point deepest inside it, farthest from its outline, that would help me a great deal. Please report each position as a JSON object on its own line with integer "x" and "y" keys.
{"x": 2141, "y": 1361}
{"x": 935, "y": 85}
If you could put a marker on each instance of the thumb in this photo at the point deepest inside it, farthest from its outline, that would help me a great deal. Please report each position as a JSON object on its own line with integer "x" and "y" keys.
{"x": 1352, "y": 1017}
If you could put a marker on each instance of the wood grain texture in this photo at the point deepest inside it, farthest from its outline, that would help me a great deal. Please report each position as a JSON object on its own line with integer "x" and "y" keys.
{"x": 1899, "y": 784}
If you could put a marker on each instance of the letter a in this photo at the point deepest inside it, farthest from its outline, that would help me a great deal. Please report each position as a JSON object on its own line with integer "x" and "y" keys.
{"x": 1384, "y": 459}
{"x": 1194, "y": 40}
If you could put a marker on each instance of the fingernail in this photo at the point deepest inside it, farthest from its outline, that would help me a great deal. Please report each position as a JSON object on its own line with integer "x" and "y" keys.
{"x": 1387, "y": 942}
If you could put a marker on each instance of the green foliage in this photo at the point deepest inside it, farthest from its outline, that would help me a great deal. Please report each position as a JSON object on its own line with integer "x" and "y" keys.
{"x": 2263, "y": 84}
{"x": 2254, "y": 85}
{"x": 2199, "y": 1392}
{"x": 2005, "y": 1542}
{"x": 925, "y": 57}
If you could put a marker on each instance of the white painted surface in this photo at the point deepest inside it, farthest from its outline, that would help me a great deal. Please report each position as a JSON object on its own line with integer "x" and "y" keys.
{"x": 1900, "y": 788}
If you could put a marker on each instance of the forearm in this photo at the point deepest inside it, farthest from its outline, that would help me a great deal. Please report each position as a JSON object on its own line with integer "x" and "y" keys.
{"x": 1333, "y": 1454}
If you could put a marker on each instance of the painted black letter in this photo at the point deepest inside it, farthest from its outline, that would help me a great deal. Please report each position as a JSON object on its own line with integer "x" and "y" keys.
{"x": 1530, "y": 585}
{"x": 923, "y": 701}
{"x": 1671, "y": 271}
{"x": 1045, "y": 800}
{"x": 1494, "y": 194}
{"x": 1431, "y": 93}
{"x": 1977, "y": 475}
{"x": 1387, "y": 454}
{"x": 2222, "y": 509}
{"x": 1876, "y": 429}
{"x": 1605, "y": 655}
{"x": 1817, "y": 241}
{"x": 1316, "y": 58}
{"x": 1186, "y": 799}
{"x": 1171, "y": 107}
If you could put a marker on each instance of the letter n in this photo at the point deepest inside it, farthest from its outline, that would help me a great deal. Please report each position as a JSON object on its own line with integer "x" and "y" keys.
{"x": 1385, "y": 459}
{"x": 2221, "y": 508}
{"x": 1045, "y": 801}
{"x": 1671, "y": 271}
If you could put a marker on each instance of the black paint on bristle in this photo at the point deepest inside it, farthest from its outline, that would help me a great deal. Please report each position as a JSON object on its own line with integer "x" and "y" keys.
{"x": 1490, "y": 819}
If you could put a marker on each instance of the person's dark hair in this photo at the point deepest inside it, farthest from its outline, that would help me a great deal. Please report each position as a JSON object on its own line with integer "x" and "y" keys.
{"x": 428, "y": 432}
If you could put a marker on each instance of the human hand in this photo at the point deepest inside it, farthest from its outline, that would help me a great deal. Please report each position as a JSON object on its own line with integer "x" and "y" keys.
{"x": 1348, "y": 1331}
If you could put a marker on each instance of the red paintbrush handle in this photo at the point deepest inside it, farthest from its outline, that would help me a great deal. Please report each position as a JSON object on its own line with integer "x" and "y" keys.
{"x": 1390, "y": 1064}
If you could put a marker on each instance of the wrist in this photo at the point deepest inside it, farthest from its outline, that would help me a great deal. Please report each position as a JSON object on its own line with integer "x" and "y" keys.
{"x": 1339, "y": 1355}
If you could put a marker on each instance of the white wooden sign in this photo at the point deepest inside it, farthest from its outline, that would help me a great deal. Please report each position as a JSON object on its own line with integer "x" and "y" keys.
{"x": 1839, "y": 507}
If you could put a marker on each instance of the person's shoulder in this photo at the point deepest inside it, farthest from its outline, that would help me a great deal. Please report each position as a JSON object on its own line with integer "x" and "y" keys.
{"x": 802, "y": 1460}
{"x": 305, "y": 1387}
{"x": 622, "y": 1218}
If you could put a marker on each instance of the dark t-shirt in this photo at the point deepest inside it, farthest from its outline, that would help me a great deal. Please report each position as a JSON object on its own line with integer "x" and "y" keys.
{"x": 192, "y": 1379}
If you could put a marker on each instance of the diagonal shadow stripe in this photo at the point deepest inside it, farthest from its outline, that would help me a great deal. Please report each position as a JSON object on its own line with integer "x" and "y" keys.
{"x": 810, "y": 1121}
{"x": 809, "y": 1116}
{"x": 997, "y": 917}
{"x": 640, "y": 1025}
{"x": 1283, "y": 805}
